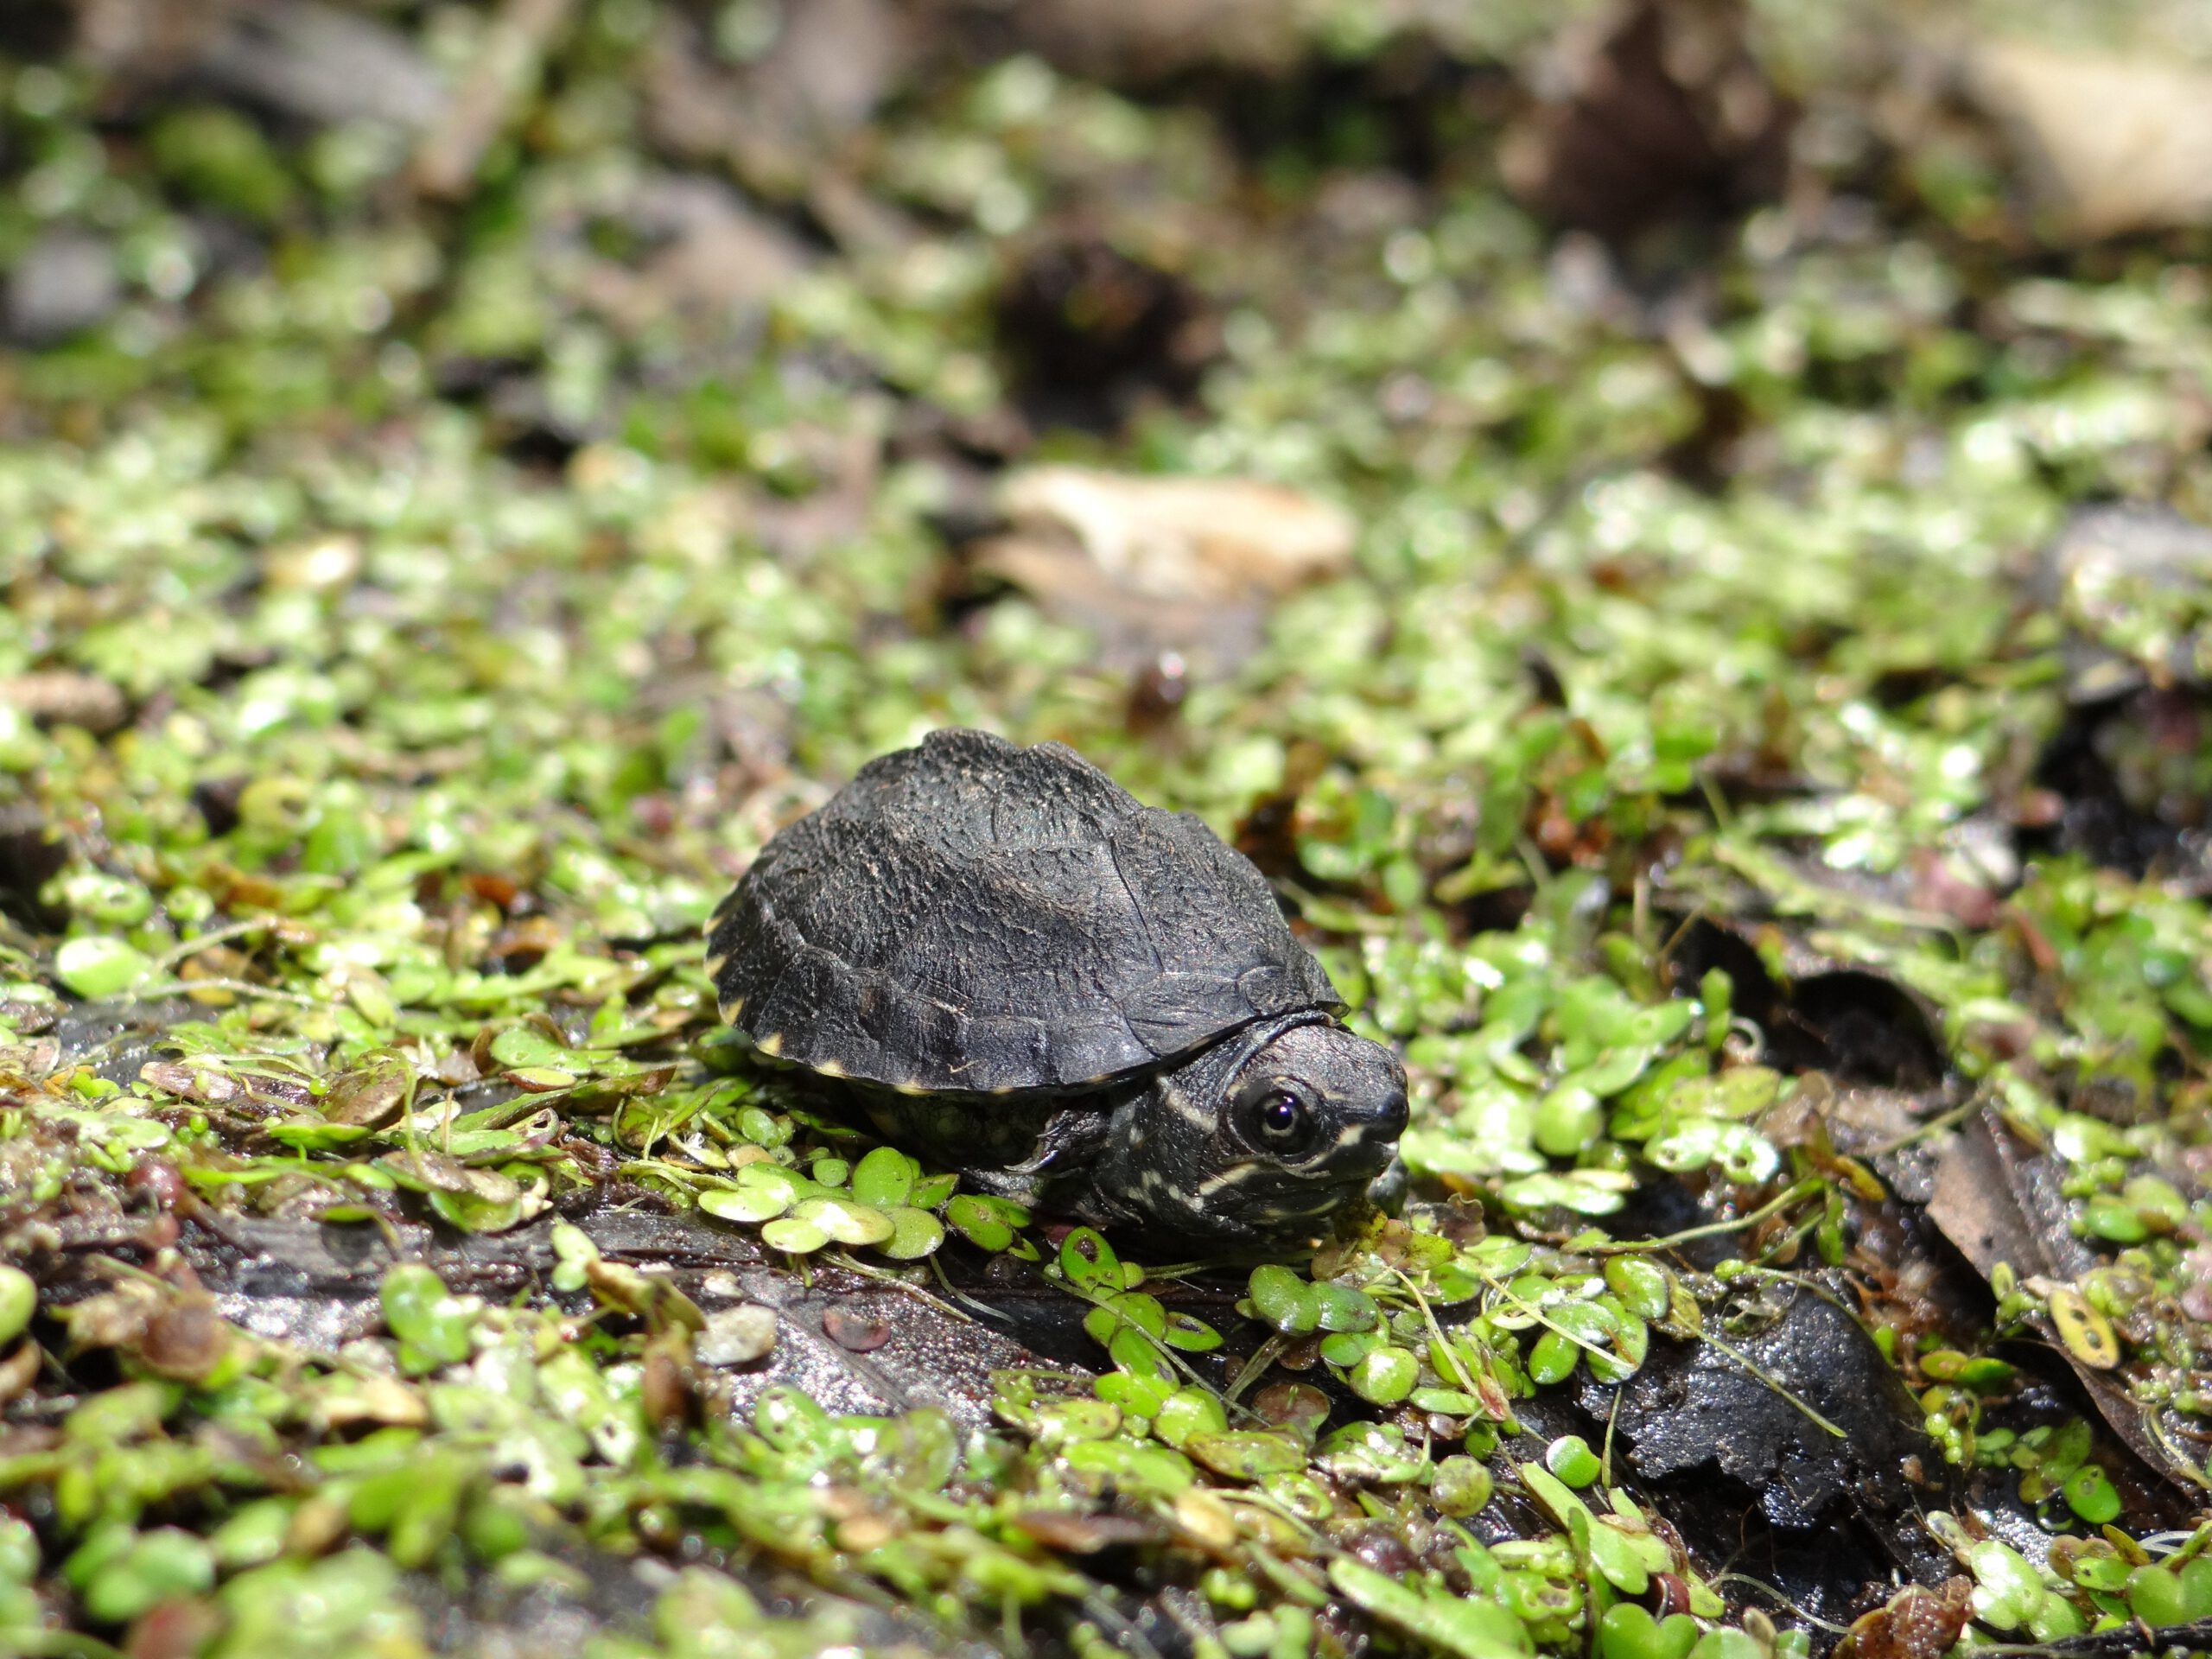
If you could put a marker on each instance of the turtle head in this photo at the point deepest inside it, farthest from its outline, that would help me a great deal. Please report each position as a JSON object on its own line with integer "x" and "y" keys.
{"x": 1261, "y": 1138}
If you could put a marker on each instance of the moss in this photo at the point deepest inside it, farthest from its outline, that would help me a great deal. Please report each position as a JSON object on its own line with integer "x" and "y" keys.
{"x": 417, "y": 616}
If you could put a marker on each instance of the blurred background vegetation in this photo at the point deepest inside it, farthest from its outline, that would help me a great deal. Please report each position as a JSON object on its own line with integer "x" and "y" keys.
{"x": 1674, "y": 533}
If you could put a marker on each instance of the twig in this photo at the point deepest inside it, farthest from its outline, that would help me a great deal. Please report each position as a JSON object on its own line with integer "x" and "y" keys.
{"x": 235, "y": 986}
{"x": 213, "y": 936}
{"x": 503, "y": 73}
{"x": 1255, "y": 1367}
{"x": 1641, "y": 1246}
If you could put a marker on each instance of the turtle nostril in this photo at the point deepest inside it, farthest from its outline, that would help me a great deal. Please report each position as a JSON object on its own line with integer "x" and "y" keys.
{"x": 1392, "y": 1119}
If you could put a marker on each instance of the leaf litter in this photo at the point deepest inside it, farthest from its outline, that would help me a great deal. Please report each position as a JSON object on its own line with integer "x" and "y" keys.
{"x": 419, "y": 614}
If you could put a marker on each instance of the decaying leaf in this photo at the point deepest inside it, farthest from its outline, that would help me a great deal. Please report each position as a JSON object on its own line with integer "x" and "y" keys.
{"x": 1651, "y": 113}
{"x": 1095, "y": 333}
{"x": 315, "y": 62}
{"x": 1184, "y": 563}
{"x": 1189, "y": 539}
{"x": 174, "y": 1333}
{"x": 1148, "y": 41}
{"x": 1856, "y": 1026}
{"x": 2113, "y": 144}
{"x": 64, "y": 696}
{"x": 1999, "y": 1201}
{"x": 1916, "y": 1624}
{"x": 736, "y": 1336}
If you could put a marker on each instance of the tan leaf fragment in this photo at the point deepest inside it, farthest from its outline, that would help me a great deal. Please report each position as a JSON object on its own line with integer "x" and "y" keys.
{"x": 2113, "y": 145}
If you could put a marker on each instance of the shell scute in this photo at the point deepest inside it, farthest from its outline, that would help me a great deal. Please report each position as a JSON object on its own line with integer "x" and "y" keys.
{"x": 968, "y": 915}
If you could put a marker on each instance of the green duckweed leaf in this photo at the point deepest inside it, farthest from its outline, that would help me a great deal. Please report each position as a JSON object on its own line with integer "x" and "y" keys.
{"x": 2087, "y": 1333}
{"x": 1284, "y": 1301}
{"x": 1460, "y": 1485}
{"x": 1641, "y": 1284}
{"x": 885, "y": 1178}
{"x": 1371, "y": 1452}
{"x": 1185, "y": 1412}
{"x": 976, "y": 1221}
{"x": 431, "y": 1322}
{"x": 931, "y": 1191}
{"x": 1341, "y": 1308}
{"x": 914, "y": 1234}
{"x": 793, "y": 1236}
{"x": 1132, "y": 1467}
{"x": 1089, "y": 1263}
{"x": 18, "y": 1301}
{"x": 1190, "y": 1334}
{"x": 1246, "y": 1454}
{"x": 519, "y": 1047}
{"x": 152, "y": 1568}
{"x": 1138, "y": 1393}
{"x": 97, "y": 966}
{"x": 750, "y": 1203}
{"x": 1457, "y": 1625}
{"x": 845, "y": 1222}
{"x": 1384, "y": 1375}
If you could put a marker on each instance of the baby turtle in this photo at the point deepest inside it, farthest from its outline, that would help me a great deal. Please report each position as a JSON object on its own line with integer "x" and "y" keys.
{"x": 1084, "y": 1003}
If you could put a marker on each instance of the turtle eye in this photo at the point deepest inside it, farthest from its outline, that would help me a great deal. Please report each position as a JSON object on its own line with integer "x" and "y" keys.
{"x": 1273, "y": 1116}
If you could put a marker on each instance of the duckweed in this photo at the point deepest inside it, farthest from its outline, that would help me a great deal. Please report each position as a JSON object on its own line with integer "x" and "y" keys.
{"x": 419, "y": 614}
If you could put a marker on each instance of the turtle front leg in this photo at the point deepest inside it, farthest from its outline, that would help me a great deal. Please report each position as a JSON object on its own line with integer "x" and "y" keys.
{"x": 1041, "y": 1153}
{"x": 999, "y": 1145}
{"x": 1068, "y": 1143}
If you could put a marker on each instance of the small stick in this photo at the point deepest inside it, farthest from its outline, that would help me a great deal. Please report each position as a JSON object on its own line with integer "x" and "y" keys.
{"x": 503, "y": 73}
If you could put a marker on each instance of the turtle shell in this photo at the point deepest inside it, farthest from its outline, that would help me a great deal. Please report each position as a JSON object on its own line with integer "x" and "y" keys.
{"x": 972, "y": 917}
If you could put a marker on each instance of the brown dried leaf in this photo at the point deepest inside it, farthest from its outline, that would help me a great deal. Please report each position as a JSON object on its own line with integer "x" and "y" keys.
{"x": 345, "y": 1402}
{"x": 1084, "y": 1534}
{"x": 322, "y": 64}
{"x": 1188, "y": 539}
{"x": 502, "y": 74}
{"x": 1146, "y": 41}
{"x": 1189, "y": 565}
{"x": 775, "y": 122}
{"x": 18, "y": 1371}
{"x": 854, "y": 1334}
{"x": 669, "y": 1389}
{"x": 1917, "y": 1623}
{"x": 187, "y": 1340}
{"x": 370, "y": 1098}
{"x": 736, "y": 1336}
{"x": 1999, "y": 1201}
{"x": 203, "y": 1084}
{"x": 177, "y": 1629}
{"x": 114, "y": 1318}
{"x": 717, "y": 257}
{"x": 63, "y": 696}
{"x": 2113, "y": 144}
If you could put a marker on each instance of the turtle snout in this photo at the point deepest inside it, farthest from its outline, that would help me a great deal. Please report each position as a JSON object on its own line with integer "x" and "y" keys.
{"x": 1383, "y": 1115}
{"x": 1372, "y": 1141}
{"x": 1390, "y": 1121}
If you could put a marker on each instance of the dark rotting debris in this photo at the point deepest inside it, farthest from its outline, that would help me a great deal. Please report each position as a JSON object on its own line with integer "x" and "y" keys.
{"x": 1855, "y": 1026}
